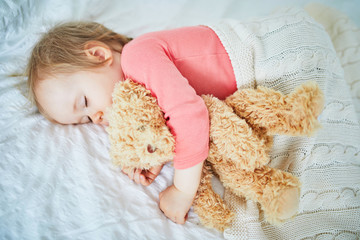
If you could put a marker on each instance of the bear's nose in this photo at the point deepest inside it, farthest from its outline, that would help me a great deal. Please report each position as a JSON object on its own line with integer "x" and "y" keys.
{"x": 151, "y": 148}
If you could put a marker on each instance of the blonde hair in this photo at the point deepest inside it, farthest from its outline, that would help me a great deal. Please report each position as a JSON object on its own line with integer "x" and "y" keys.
{"x": 61, "y": 50}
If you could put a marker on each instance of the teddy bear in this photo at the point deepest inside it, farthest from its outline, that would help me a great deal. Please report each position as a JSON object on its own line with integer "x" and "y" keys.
{"x": 241, "y": 131}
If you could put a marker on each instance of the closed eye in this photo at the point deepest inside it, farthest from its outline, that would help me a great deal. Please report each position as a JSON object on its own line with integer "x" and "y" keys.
{"x": 86, "y": 105}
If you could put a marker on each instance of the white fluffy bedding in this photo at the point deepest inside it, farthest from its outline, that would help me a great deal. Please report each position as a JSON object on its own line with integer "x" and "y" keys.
{"x": 57, "y": 182}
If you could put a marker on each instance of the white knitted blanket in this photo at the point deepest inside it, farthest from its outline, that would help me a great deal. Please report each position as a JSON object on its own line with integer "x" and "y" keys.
{"x": 281, "y": 52}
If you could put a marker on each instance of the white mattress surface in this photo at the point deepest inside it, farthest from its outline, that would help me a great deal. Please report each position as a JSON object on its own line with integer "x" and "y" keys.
{"x": 57, "y": 182}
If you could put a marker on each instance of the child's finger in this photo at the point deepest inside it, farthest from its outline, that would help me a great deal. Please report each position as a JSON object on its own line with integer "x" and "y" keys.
{"x": 147, "y": 178}
{"x": 131, "y": 174}
{"x": 144, "y": 181}
{"x": 151, "y": 176}
{"x": 136, "y": 176}
{"x": 127, "y": 170}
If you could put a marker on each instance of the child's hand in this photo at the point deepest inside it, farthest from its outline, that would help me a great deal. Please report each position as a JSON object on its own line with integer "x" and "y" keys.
{"x": 175, "y": 204}
{"x": 144, "y": 177}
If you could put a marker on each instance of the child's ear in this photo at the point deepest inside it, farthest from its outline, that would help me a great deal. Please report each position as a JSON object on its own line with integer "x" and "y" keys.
{"x": 98, "y": 51}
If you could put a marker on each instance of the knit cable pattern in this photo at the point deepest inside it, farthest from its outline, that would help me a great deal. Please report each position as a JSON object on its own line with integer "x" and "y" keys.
{"x": 282, "y": 51}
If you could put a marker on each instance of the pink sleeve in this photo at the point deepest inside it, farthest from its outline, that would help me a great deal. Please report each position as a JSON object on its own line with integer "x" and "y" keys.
{"x": 147, "y": 62}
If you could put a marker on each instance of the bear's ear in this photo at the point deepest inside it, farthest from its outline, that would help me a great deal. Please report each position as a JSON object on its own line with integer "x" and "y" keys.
{"x": 134, "y": 88}
{"x": 132, "y": 102}
{"x": 131, "y": 92}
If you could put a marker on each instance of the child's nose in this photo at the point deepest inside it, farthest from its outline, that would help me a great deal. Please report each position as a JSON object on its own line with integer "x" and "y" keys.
{"x": 97, "y": 118}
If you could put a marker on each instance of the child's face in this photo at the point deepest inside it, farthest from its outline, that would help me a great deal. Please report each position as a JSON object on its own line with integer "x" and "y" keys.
{"x": 79, "y": 97}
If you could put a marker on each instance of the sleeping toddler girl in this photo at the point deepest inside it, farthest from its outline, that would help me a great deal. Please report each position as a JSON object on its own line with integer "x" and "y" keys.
{"x": 74, "y": 67}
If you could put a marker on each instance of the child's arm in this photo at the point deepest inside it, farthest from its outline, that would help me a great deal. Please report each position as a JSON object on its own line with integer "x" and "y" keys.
{"x": 148, "y": 60}
{"x": 176, "y": 200}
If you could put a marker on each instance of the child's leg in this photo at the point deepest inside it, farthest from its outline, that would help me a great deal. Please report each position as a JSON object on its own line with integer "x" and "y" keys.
{"x": 269, "y": 110}
{"x": 209, "y": 206}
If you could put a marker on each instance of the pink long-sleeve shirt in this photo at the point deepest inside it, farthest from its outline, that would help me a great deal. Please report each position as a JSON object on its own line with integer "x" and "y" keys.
{"x": 177, "y": 66}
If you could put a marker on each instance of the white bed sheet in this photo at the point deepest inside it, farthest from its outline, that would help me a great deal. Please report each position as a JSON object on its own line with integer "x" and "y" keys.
{"x": 57, "y": 182}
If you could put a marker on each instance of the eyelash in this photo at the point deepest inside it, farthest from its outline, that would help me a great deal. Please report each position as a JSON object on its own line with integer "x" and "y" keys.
{"x": 86, "y": 104}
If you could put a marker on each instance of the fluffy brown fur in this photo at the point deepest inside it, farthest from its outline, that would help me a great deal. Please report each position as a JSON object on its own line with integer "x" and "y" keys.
{"x": 240, "y": 139}
{"x": 138, "y": 133}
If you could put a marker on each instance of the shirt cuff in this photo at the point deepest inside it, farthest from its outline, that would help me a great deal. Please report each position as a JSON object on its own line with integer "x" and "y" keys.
{"x": 188, "y": 162}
